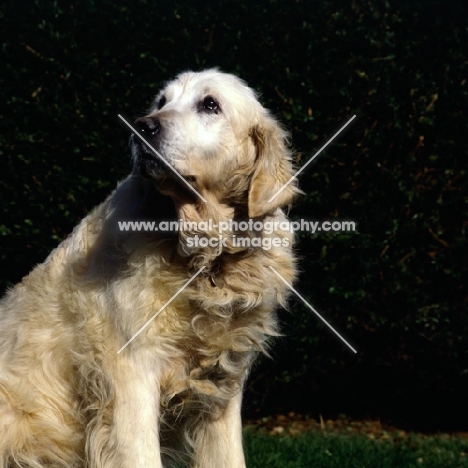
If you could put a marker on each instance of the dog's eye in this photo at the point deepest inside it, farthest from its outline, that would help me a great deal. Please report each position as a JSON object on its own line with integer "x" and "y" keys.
{"x": 210, "y": 104}
{"x": 162, "y": 101}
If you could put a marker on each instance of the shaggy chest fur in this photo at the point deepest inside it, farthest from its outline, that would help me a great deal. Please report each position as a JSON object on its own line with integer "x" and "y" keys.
{"x": 201, "y": 338}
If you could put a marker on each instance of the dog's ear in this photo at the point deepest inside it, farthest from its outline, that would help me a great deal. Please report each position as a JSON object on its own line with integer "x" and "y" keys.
{"x": 272, "y": 171}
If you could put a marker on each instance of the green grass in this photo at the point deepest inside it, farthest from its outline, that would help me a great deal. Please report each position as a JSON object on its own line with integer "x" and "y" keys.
{"x": 322, "y": 450}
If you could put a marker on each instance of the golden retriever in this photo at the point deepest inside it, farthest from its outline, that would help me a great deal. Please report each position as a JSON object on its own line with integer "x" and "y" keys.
{"x": 129, "y": 348}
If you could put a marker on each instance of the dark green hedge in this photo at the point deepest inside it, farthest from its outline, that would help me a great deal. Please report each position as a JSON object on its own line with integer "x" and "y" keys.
{"x": 396, "y": 288}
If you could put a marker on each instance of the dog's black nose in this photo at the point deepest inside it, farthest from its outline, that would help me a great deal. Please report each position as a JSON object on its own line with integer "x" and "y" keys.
{"x": 148, "y": 125}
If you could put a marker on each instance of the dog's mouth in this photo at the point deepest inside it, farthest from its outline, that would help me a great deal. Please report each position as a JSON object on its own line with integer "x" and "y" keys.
{"x": 146, "y": 161}
{"x": 157, "y": 168}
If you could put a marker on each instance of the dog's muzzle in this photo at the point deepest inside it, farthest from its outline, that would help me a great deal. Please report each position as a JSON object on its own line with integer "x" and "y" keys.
{"x": 144, "y": 157}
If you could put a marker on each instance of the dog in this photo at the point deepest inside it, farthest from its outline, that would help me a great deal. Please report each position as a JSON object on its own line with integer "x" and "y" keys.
{"x": 130, "y": 347}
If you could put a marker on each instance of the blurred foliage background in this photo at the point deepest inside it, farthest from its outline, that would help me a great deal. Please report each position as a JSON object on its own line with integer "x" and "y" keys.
{"x": 396, "y": 288}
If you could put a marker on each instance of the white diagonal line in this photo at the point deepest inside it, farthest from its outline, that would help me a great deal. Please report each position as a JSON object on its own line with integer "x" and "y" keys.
{"x": 313, "y": 310}
{"x": 312, "y": 158}
{"x": 160, "y": 157}
{"x": 160, "y": 310}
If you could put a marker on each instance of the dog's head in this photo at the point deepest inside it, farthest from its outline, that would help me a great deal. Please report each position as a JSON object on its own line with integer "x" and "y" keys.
{"x": 210, "y": 129}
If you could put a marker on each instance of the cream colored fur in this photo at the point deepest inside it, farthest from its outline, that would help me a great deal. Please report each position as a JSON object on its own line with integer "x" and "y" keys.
{"x": 173, "y": 395}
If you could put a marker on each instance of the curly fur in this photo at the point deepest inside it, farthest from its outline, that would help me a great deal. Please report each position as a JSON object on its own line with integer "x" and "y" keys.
{"x": 67, "y": 398}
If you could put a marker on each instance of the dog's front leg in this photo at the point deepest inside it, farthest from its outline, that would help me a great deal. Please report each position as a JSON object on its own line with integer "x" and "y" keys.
{"x": 219, "y": 443}
{"x": 132, "y": 439}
